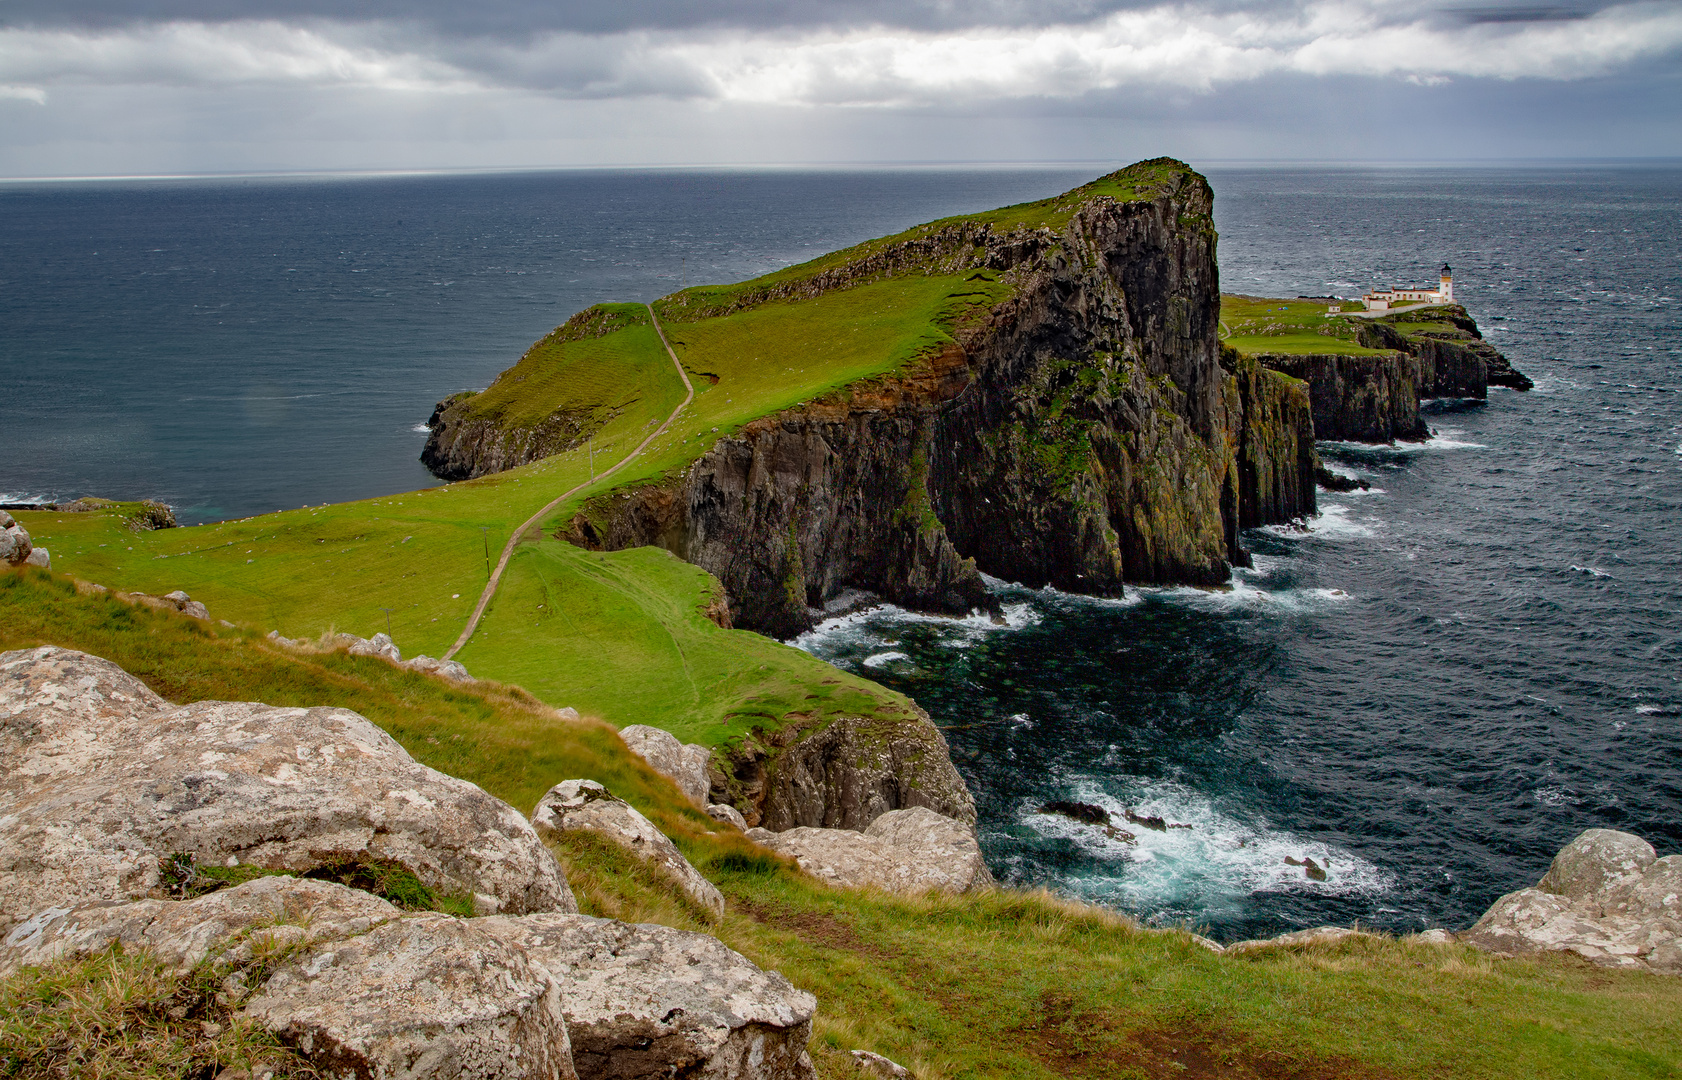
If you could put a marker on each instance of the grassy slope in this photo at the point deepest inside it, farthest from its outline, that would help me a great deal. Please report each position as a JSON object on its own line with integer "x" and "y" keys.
{"x": 1001, "y": 984}
{"x": 1257, "y": 325}
{"x": 617, "y": 636}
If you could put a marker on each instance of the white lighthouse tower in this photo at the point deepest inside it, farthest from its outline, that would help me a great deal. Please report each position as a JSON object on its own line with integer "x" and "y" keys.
{"x": 1446, "y": 287}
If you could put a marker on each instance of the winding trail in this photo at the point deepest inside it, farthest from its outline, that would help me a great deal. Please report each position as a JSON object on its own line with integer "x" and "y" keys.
{"x": 514, "y": 540}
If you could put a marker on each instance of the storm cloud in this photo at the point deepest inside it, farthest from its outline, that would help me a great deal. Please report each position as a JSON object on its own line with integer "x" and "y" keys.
{"x": 602, "y": 64}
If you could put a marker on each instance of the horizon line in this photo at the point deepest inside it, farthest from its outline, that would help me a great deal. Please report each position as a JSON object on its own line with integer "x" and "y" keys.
{"x": 826, "y": 166}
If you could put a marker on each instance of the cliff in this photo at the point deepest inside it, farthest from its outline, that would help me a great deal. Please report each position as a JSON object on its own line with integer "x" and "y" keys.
{"x": 1079, "y": 429}
{"x": 1372, "y": 392}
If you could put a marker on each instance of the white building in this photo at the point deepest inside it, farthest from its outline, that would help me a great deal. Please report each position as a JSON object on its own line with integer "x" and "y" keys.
{"x": 1384, "y": 299}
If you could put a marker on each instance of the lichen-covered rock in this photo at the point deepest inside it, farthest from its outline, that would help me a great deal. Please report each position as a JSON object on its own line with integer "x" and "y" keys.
{"x": 102, "y": 780}
{"x": 40, "y": 557}
{"x": 684, "y": 764}
{"x": 268, "y": 913}
{"x": 844, "y": 775}
{"x": 588, "y": 806}
{"x": 727, "y": 814}
{"x": 422, "y": 997}
{"x": 1606, "y": 897}
{"x": 907, "y": 851}
{"x": 873, "y": 1064}
{"x": 647, "y": 1002}
{"x": 15, "y": 545}
{"x": 452, "y": 670}
{"x": 1596, "y": 861}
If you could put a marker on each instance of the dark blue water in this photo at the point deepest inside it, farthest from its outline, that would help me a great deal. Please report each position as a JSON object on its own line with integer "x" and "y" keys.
{"x": 1432, "y": 688}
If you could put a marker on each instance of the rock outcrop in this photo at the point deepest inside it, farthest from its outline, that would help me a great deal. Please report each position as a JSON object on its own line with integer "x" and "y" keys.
{"x": 1607, "y": 897}
{"x": 362, "y": 989}
{"x": 842, "y": 776}
{"x": 651, "y": 1002}
{"x": 99, "y": 777}
{"x": 102, "y": 781}
{"x": 906, "y": 851}
{"x": 586, "y": 806}
{"x": 684, "y": 764}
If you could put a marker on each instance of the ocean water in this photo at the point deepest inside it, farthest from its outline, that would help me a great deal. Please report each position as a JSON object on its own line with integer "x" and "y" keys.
{"x": 1429, "y": 688}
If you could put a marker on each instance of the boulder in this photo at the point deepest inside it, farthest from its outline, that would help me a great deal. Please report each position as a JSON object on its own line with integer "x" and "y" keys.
{"x": 685, "y": 764}
{"x": 587, "y": 806}
{"x": 1596, "y": 861}
{"x": 1319, "y": 935}
{"x": 101, "y": 780}
{"x": 727, "y": 814}
{"x": 379, "y": 645}
{"x": 907, "y": 851}
{"x": 271, "y": 911}
{"x": 652, "y": 1002}
{"x": 14, "y": 541}
{"x": 175, "y": 601}
{"x": 872, "y": 1064}
{"x": 39, "y": 557}
{"x": 1607, "y": 897}
{"x": 444, "y": 669}
{"x": 419, "y": 997}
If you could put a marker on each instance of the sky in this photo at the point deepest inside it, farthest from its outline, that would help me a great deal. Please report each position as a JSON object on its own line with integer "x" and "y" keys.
{"x": 167, "y": 87}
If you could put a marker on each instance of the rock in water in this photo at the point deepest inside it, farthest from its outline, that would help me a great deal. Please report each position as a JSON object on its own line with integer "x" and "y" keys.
{"x": 646, "y": 1002}
{"x": 1607, "y": 897}
{"x": 909, "y": 851}
{"x": 685, "y": 764}
{"x": 587, "y": 806}
{"x": 1087, "y": 812}
{"x": 103, "y": 780}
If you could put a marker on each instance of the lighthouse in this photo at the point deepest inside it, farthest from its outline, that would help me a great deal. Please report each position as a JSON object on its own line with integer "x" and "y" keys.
{"x": 1446, "y": 287}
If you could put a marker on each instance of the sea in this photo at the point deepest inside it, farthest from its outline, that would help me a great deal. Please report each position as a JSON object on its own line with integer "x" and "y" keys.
{"x": 1428, "y": 689}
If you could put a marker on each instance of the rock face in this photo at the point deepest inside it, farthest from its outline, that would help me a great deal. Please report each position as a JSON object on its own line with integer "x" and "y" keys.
{"x": 1084, "y": 433}
{"x": 587, "y": 806}
{"x": 1607, "y": 897}
{"x": 684, "y": 764}
{"x": 647, "y": 1001}
{"x": 102, "y": 780}
{"x": 907, "y": 851}
{"x": 843, "y": 776}
{"x": 1373, "y": 399}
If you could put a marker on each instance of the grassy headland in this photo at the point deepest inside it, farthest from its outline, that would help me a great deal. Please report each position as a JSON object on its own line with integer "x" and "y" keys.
{"x": 1257, "y": 325}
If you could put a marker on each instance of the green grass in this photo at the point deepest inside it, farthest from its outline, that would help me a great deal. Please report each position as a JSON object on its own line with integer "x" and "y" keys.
{"x": 1256, "y": 325}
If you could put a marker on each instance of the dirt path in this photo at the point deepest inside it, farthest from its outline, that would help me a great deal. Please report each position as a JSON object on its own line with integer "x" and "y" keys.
{"x": 514, "y": 540}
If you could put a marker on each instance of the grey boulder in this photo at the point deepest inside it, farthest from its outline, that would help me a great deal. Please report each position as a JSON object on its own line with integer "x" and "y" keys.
{"x": 727, "y": 814}
{"x": 419, "y": 997}
{"x": 1606, "y": 897}
{"x": 906, "y": 851}
{"x": 40, "y": 557}
{"x": 685, "y": 764}
{"x": 651, "y": 1002}
{"x": 100, "y": 780}
{"x": 14, "y": 541}
{"x": 584, "y": 805}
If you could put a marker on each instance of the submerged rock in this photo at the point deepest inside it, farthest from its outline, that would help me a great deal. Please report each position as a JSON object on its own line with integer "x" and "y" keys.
{"x": 104, "y": 781}
{"x": 587, "y": 806}
{"x": 1606, "y": 897}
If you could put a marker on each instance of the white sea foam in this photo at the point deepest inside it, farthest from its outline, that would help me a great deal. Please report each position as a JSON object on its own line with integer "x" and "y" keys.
{"x": 1215, "y": 864}
{"x": 883, "y": 659}
{"x": 1592, "y": 571}
{"x": 1650, "y": 709}
{"x": 864, "y": 628}
{"x": 421, "y": 428}
{"x": 1334, "y": 523}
